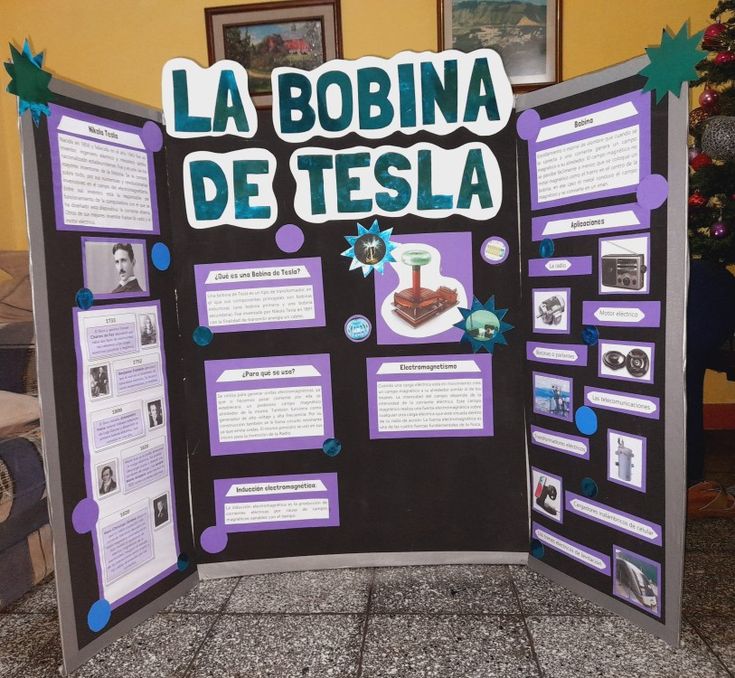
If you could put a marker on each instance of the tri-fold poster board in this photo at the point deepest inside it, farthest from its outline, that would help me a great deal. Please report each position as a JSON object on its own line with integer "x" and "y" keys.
{"x": 399, "y": 318}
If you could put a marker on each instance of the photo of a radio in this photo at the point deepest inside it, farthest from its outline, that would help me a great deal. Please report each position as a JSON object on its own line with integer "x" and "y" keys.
{"x": 626, "y": 271}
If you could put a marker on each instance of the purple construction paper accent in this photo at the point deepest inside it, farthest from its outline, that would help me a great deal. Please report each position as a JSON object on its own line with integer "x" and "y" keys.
{"x": 143, "y": 468}
{"x": 84, "y": 516}
{"x": 559, "y": 266}
{"x": 622, "y": 373}
{"x": 126, "y": 553}
{"x": 57, "y": 112}
{"x": 214, "y": 368}
{"x": 643, "y": 462}
{"x": 532, "y": 495}
{"x": 503, "y": 242}
{"x": 483, "y": 361}
{"x": 646, "y": 261}
{"x": 152, "y": 136}
{"x": 639, "y": 396}
{"x": 536, "y": 527}
{"x": 528, "y": 125}
{"x": 143, "y": 263}
{"x": 456, "y": 262}
{"x": 82, "y": 381}
{"x": 289, "y": 238}
{"x": 313, "y": 265}
{"x": 569, "y": 415}
{"x": 652, "y": 563}
{"x": 577, "y": 439}
{"x": 657, "y": 529}
{"x": 579, "y": 349}
{"x": 643, "y": 216}
{"x": 329, "y": 480}
{"x": 552, "y": 329}
{"x": 213, "y": 539}
{"x": 652, "y": 191}
{"x": 651, "y": 312}
{"x": 642, "y": 103}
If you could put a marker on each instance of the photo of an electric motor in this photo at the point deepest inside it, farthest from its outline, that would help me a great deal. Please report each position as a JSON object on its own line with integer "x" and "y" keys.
{"x": 546, "y": 494}
{"x": 551, "y": 310}
{"x": 636, "y": 579}
{"x": 552, "y": 396}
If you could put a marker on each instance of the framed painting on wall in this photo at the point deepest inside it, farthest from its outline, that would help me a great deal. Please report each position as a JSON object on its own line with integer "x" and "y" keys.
{"x": 262, "y": 36}
{"x": 526, "y": 34}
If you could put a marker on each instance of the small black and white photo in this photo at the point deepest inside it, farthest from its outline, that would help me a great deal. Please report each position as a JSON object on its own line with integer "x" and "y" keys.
{"x": 160, "y": 510}
{"x": 625, "y": 360}
{"x": 551, "y": 310}
{"x": 115, "y": 269}
{"x": 107, "y": 478}
{"x": 148, "y": 329}
{"x": 624, "y": 264}
{"x": 154, "y": 411}
{"x": 99, "y": 381}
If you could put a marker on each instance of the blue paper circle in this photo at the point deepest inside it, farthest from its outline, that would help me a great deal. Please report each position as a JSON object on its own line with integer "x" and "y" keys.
{"x": 588, "y": 487}
{"x": 586, "y": 420}
{"x": 358, "y": 328}
{"x": 537, "y": 549}
{"x": 182, "y": 562}
{"x": 161, "y": 256}
{"x": 546, "y": 248}
{"x": 84, "y": 298}
{"x": 202, "y": 336}
{"x": 332, "y": 447}
{"x": 590, "y": 335}
{"x": 99, "y": 615}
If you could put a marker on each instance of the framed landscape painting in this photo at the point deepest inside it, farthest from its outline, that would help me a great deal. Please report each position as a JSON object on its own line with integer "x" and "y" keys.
{"x": 301, "y": 33}
{"x": 526, "y": 34}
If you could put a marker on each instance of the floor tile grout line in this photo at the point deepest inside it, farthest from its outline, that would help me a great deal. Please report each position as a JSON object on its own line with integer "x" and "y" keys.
{"x": 525, "y": 623}
{"x": 689, "y": 621}
{"x": 365, "y": 622}
{"x": 217, "y": 616}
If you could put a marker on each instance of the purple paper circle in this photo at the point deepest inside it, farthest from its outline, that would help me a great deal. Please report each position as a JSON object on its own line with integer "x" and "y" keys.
{"x": 152, "y": 136}
{"x": 652, "y": 191}
{"x": 289, "y": 238}
{"x": 84, "y": 516}
{"x": 213, "y": 539}
{"x": 528, "y": 125}
{"x": 500, "y": 252}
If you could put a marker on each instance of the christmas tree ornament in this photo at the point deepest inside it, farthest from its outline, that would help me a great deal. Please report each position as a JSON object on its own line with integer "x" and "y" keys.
{"x": 713, "y": 35}
{"x": 694, "y": 151}
{"x": 709, "y": 100}
{"x": 697, "y": 118}
{"x": 718, "y": 137}
{"x": 719, "y": 230}
{"x": 697, "y": 199}
{"x": 725, "y": 58}
{"x": 700, "y": 161}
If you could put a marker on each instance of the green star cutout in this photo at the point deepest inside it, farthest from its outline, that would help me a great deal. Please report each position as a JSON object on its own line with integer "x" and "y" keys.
{"x": 29, "y": 82}
{"x": 672, "y": 63}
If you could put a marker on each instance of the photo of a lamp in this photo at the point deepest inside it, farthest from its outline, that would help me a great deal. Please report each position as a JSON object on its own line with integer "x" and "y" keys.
{"x": 545, "y": 491}
{"x": 625, "y": 461}
{"x": 416, "y": 304}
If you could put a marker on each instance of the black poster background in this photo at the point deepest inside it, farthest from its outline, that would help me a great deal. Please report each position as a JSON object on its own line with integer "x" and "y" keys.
{"x": 398, "y": 495}
{"x": 651, "y": 504}
{"x": 64, "y": 272}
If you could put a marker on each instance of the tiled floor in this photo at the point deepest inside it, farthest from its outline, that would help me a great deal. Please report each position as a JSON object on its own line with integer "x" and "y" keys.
{"x": 420, "y": 622}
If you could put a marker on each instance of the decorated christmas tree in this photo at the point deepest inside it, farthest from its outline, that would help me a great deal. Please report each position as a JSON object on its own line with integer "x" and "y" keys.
{"x": 712, "y": 153}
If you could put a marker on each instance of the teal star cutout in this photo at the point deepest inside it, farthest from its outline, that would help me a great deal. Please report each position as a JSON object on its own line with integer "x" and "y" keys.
{"x": 672, "y": 63}
{"x": 370, "y": 249}
{"x": 29, "y": 82}
{"x": 483, "y": 325}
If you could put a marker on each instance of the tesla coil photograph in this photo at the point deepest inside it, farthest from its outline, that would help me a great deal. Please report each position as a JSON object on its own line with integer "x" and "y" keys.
{"x": 367, "y": 339}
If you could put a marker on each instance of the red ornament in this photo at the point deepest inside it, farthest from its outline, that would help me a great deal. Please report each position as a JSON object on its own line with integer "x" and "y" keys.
{"x": 725, "y": 58}
{"x": 709, "y": 100}
{"x": 700, "y": 161}
{"x": 713, "y": 35}
{"x": 697, "y": 199}
{"x": 719, "y": 230}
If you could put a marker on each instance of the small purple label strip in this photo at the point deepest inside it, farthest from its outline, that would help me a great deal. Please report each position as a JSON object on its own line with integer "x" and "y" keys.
{"x": 557, "y": 354}
{"x": 636, "y": 404}
{"x": 575, "y": 446}
{"x": 614, "y": 518}
{"x": 582, "y": 554}
{"x": 622, "y": 313}
{"x": 559, "y": 266}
